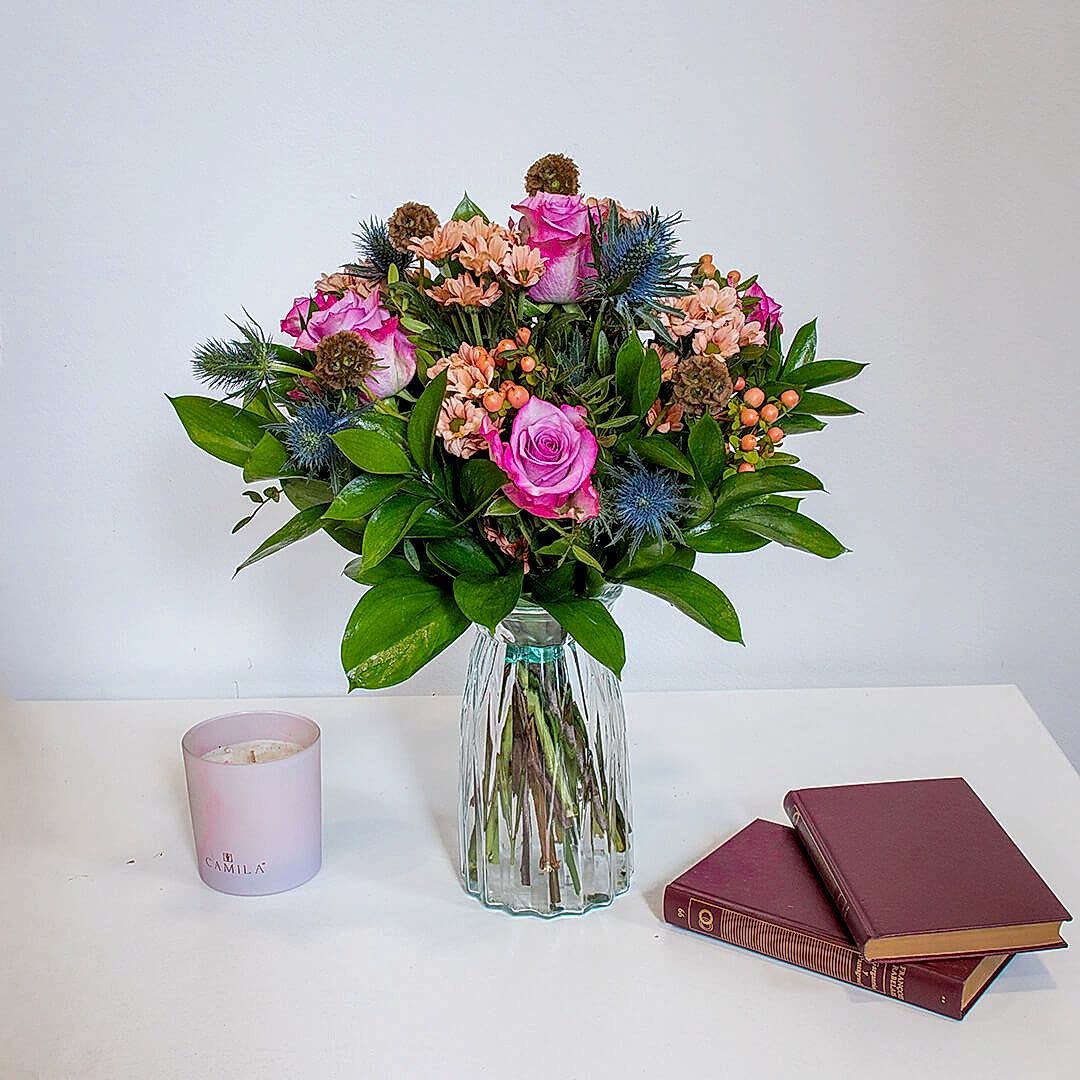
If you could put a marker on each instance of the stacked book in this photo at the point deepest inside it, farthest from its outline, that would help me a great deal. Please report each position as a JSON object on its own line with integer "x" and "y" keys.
{"x": 911, "y": 889}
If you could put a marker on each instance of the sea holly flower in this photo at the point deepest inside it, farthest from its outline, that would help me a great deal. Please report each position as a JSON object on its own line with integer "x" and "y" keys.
{"x": 557, "y": 226}
{"x": 643, "y": 503}
{"x": 549, "y": 457}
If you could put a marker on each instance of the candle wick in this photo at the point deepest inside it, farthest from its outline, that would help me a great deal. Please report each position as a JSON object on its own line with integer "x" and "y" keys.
{"x": 254, "y": 759}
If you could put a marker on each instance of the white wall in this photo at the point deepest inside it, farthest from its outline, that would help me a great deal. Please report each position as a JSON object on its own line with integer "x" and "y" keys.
{"x": 906, "y": 171}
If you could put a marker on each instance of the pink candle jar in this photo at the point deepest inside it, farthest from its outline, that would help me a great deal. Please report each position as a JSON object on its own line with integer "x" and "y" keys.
{"x": 255, "y": 787}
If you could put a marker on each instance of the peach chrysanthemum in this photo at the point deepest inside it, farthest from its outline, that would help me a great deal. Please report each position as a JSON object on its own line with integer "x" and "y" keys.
{"x": 523, "y": 265}
{"x": 721, "y": 336}
{"x": 670, "y": 417}
{"x": 711, "y": 313}
{"x": 470, "y": 371}
{"x": 464, "y": 290}
{"x": 477, "y": 229}
{"x": 462, "y": 426}
{"x": 444, "y": 241}
{"x": 483, "y": 254}
{"x": 341, "y": 283}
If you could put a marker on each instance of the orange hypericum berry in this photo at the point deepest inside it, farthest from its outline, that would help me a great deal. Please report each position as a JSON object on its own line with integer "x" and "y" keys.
{"x": 523, "y": 334}
{"x": 769, "y": 413}
{"x": 754, "y": 397}
{"x": 747, "y": 467}
{"x": 493, "y": 401}
{"x": 528, "y": 363}
{"x": 748, "y": 442}
{"x": 789, "y": 399}
{"x": 517, "y": 396}
{"x": 504, "y": 345}
{"x": 776, "y": 434}
{"x": 748, "y": 417}
{"x": 733, "y": 278}
{"x": 740, "y": 384}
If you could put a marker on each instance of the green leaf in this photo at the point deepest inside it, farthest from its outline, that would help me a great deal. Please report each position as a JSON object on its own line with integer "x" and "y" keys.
{"x": 628, "y": 363}
{"x": 389, "y": 426}
{"x": 225, "y": 431}
{"x": 660, "y": 452}
{"x": 797, "y": 423}
{"x": 649, "y": 556}
{"x": 361, "y": 496}
{"x": 777, "y": 459}
{"x": 433, "y": 522}
{"x": 488, "y": 598}
{"x": 389, "y": 569}
{"x": 707, "y": 450}
{"x": 389, "y": 524}
{"x": 502, "y": 507}
{"x": 823, "y": 405}
{"x": 266, "y": 461}
{"x": 742, "y": 487}
{"x": 788, "y": 528}
{"x": 695, "y": 596}
{"x": 462, "y": 555}
{"x": 803, "y": 347}
{"x": 422, "y": 419}
{"x": 480, "y": 479}
{"x": 372, "y": 452}
{"x": 302, "y": 492}
{"x": 590, "y": 624}
{"x": 822, "y": 372}
{"x": 467, "y": 209}
{"x": 395, "y": 629}
{"x": 346, "y": 534}
{"x": 725, "y": 539}
{"x": 557, "y": 584}
{"x": 296, "y": 528}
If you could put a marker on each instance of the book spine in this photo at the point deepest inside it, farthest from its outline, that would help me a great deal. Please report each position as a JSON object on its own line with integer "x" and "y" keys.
{"x": 913, "y": 983}
{"x": 845, "y": 905}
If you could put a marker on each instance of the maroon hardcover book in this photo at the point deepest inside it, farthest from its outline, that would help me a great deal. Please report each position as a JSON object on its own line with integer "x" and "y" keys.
{"x": 921, "y": 868}
{"x": 759, "y": 891}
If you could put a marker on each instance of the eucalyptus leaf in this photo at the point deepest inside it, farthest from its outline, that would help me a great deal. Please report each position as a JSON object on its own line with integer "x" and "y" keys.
{"x": 397, "y": 627}
{"x": 695, "y": 596}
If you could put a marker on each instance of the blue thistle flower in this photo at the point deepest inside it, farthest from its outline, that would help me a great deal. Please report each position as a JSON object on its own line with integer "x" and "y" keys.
{"x": 640, "y": 503}
{"x": 377, "y": 252}
{"x": 636, "y": 264}
{"x": 307, "y": 439}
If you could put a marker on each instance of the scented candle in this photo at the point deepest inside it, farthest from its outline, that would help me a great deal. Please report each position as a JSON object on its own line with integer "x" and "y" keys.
{"x": 255, "y": 789}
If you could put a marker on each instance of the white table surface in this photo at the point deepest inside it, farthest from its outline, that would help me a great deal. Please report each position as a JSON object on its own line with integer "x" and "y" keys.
{"x": 116, "y": 961}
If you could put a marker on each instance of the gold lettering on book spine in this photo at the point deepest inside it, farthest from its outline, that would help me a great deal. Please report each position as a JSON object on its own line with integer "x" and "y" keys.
{"x": 779, "y": 942}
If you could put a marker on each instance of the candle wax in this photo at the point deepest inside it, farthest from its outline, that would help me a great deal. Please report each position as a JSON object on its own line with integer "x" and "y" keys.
{"x": 252, "y": 752}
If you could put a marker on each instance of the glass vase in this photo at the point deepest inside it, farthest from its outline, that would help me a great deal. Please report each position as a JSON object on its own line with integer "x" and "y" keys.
{"x": 544, "y": 793}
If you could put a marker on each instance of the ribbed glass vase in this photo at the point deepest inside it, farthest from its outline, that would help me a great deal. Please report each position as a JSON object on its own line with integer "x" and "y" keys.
{"x": 544, "y": 774}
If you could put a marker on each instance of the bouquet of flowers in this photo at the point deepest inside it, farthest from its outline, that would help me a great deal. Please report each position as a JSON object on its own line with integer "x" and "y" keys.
{"x": 489, "y": 416}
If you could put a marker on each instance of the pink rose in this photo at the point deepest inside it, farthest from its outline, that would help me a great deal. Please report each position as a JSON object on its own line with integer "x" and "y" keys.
{"x": 549, "y": 457}
{"x": 395, "y": 353}
{"x": 766, "y": 311}
{"x": 558, "y": 227}
{"x": 293, "y": 323}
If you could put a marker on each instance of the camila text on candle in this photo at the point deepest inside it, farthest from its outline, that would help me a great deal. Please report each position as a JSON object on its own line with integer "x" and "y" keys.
{"x": 227, "y": 865}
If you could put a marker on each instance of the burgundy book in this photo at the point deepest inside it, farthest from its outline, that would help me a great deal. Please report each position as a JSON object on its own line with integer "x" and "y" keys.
{"x": 920, "y": 869}
{"x": 759, "y": 891}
